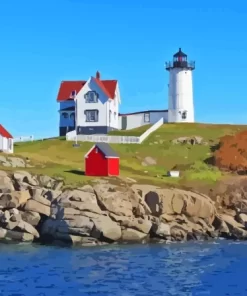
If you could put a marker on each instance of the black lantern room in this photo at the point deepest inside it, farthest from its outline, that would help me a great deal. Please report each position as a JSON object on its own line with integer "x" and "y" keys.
{"x": 180, "y": 61}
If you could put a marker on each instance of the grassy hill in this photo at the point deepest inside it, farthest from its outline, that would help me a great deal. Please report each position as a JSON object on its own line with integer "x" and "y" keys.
{"x": 57, "y": 157}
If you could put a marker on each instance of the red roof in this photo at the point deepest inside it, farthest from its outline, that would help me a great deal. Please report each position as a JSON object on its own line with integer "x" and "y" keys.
{"x": 67, "y": 87}
{"x": 4, "y": 133}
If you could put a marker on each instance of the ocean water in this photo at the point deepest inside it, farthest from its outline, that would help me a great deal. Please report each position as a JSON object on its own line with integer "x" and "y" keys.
{"x": 194, "y": 268}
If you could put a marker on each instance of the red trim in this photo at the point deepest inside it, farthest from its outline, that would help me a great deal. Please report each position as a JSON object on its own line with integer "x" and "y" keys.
{"x": 67, "y": 87}
{"x": 4, "y": 133}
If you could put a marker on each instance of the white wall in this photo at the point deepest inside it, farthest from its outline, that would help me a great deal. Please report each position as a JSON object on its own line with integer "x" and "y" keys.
{"x": 6, "y": 145}
{"x": 101, "y": 105}
{"x": 137, "y": 120}
{"x": 180, "y": 95}
{"x": 113, "y": 106}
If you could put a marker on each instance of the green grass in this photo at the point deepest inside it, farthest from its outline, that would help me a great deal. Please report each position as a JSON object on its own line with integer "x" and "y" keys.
{"x": 57, "y": 157}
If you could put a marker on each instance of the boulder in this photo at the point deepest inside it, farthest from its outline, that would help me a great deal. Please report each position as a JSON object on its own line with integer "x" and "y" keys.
{"x": 75, "y": 239}
{"x": 236, "y": 229}
{"x": 51, "y": 195}
{"x": 132, "y": 235}
{"x": 79, "y": 226}
{"x": 163, "y": 230}
{"x": 26, "y": 227}
{"x": 14, "y": 199}
{"x": 5, "y": 182}
{"x": 142, "y": 225}
{"x": 119, "y": 201}
{"x": 35, "y": 206}
{"x": 36, "y": 194}
{"x": 30, "y": 217}
{"x": 26, "y": 177}
{"x": 105, "y": 228}
{"x": 79, "y": 200}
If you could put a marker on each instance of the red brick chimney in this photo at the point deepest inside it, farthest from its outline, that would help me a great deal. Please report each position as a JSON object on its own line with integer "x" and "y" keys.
{"x": 98, "y": 75}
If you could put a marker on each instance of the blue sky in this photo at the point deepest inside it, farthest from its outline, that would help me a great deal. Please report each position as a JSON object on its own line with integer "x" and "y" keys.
{"x": 43, "y": 42}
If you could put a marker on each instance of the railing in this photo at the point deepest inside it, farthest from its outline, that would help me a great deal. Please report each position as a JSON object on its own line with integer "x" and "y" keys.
{"x": 182, "y": 64}
{"x": 151, "y": 129}
{"x": 71, "y": 136}
{"x": 109, "y": 139}
{"x": 24, "y": 139}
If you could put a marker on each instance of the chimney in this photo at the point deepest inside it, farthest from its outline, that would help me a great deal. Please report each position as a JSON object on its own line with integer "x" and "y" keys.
{"x": 98, "y": 75}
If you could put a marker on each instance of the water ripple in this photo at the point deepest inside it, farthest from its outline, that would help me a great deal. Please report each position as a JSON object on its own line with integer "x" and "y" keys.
{"x": 176, "y": 269}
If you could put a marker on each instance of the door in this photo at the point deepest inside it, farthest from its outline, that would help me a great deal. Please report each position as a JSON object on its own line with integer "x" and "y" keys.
{"x": 124, "y": 122}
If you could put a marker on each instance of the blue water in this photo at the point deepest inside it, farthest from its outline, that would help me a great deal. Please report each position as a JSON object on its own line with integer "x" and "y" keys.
{"x": 178, "y": 269}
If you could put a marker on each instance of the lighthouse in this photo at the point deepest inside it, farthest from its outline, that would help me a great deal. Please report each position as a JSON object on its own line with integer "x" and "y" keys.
{"x": 180, "y": 93}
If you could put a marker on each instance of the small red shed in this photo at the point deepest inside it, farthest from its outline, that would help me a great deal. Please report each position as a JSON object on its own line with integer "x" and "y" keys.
{"x": 101, "y": 160}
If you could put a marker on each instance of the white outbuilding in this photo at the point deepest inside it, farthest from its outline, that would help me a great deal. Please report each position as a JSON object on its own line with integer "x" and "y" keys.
{"x": 6, "y": 141}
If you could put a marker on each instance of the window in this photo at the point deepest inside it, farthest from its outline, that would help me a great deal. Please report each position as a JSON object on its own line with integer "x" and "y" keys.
{"x": 146, "y": 117}
{"x": 96, "y": 150}
{"x": 91, "y": 97}
{"x": 10, "y": 144}
{"x": 92, "y": 115}
{"x": 109, "y": 117}
{"x": 184, "y": 115}
{"x": 115, "y": 115}
{"x": 65, "y": 115}
{"x": 73, "y": 93}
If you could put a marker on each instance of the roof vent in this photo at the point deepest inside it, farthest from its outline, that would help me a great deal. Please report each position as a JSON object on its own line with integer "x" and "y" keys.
{"x": 98, "y": 75}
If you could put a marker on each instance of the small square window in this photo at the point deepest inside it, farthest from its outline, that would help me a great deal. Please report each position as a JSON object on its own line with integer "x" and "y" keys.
{"x": 146, "y": 117}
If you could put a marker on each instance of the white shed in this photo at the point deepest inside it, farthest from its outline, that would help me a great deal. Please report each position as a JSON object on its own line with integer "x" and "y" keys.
{"x": 6, "y": 141}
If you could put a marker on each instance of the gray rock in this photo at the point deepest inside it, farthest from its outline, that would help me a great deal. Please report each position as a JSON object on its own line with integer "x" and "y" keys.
{"x": 35, "y": 206}
{"x": 30, "y": 217}
{"x": 26, "y": 227}
{"x": 17, "y": 162}
{"x": 26, "y": 177}
{"x": 14, "y": 199}
{"x": 133, "y": 235}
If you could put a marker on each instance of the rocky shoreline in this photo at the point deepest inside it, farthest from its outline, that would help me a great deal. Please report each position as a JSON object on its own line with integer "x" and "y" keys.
{"x": 38, "y": 209}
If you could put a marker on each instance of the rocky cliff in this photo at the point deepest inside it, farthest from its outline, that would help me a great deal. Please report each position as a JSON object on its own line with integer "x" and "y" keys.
{"x": 38, "y": 209}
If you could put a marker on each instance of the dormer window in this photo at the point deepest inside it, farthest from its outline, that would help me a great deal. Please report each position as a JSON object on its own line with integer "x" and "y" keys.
{"x": 73, "y": 94}
{"x": 91, "y": 97}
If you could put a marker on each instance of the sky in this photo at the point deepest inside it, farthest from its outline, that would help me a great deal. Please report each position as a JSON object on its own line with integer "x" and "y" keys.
{"x": 43, "y": 42}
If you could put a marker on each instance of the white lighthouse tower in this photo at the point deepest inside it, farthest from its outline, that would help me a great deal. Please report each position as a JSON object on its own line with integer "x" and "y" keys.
{"x": 181, "y": 105}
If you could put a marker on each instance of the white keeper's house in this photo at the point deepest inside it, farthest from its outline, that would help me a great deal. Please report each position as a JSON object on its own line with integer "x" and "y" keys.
{"x": 92, "y": 106}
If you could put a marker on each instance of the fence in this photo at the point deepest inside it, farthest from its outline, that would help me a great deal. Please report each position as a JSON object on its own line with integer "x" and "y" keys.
{"x": 71, "y": 136}
{"x": 109, "y": 139}
{"x": 24, "y": 139}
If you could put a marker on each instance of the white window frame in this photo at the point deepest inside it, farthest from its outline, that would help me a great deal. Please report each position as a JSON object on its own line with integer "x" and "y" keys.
{"x": 91, "y": 97}
{"x": 146, "y": 115}
{"x": 92, "y": 115}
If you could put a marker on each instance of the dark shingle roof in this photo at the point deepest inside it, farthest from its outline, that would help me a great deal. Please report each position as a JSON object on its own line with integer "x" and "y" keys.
{"x": 106, "y": 149}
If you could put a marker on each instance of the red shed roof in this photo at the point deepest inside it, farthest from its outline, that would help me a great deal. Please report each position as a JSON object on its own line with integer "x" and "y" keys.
{"x": 67, "y": 87}
{"x": 105, "y": 149}
{"x": 4, "y": 133}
